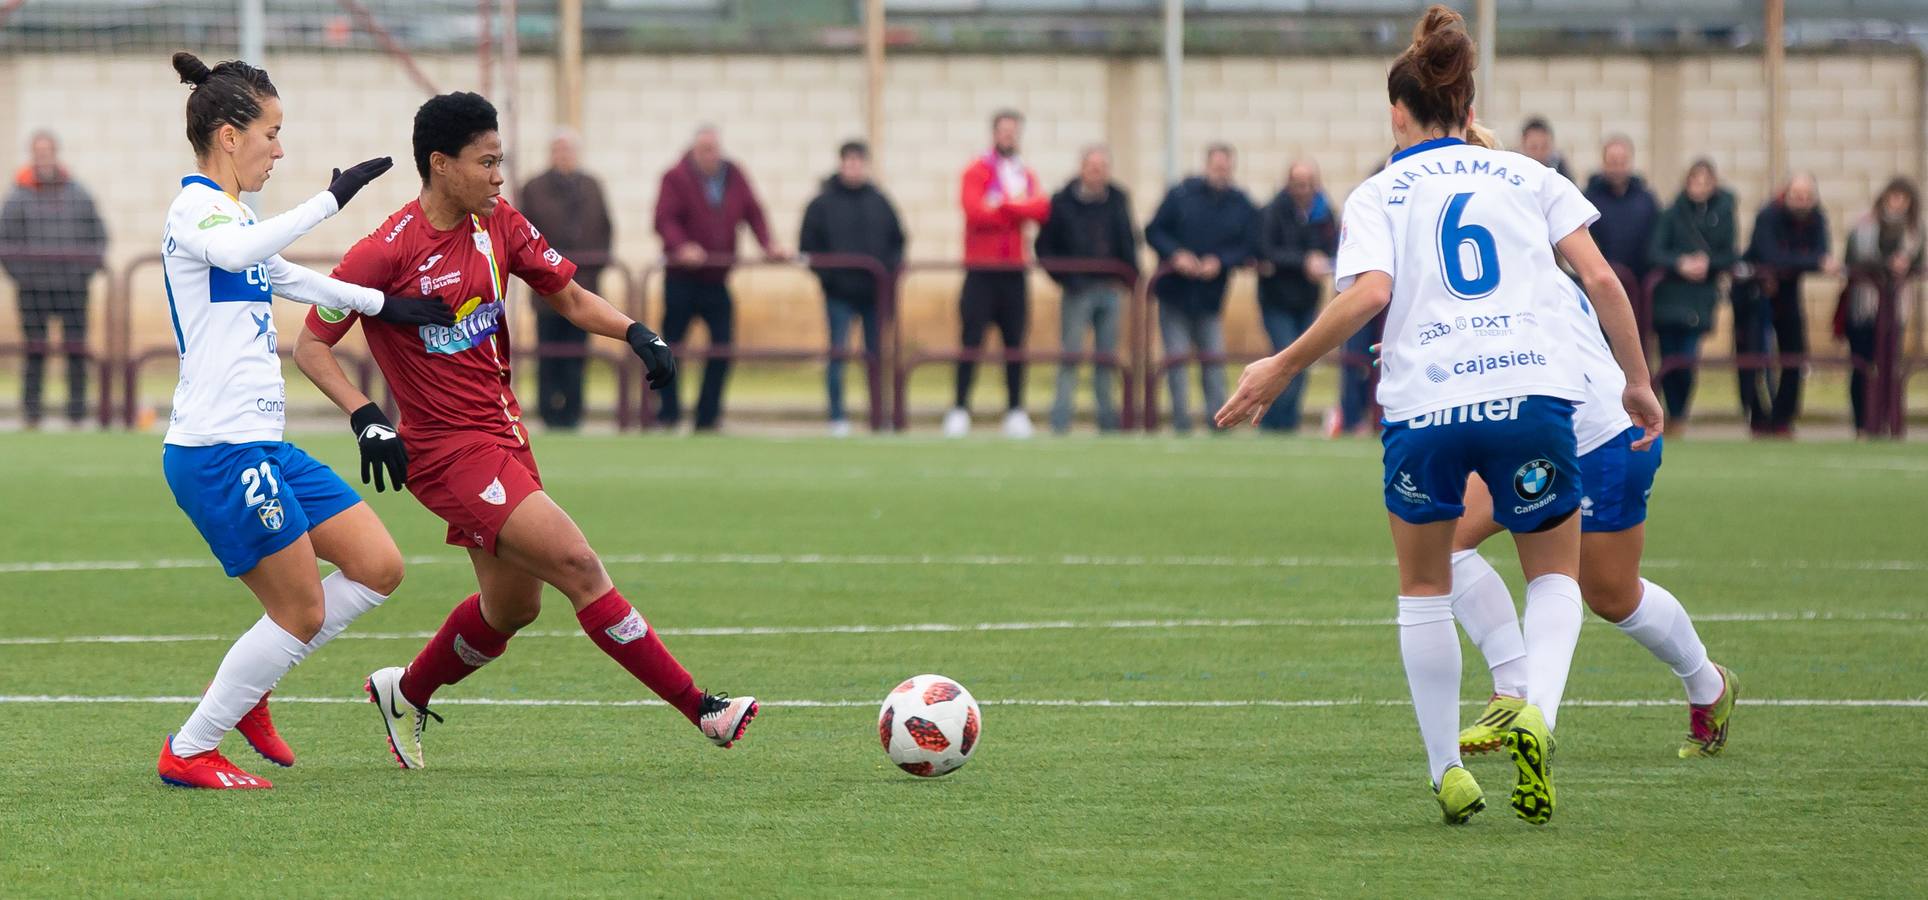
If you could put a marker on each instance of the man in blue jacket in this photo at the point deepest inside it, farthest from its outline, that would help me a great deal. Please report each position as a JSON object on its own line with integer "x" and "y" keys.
{"x": 1627, "y": 208}
{"x": 1204, "y": 228}
{"x": 1790, "y": 239}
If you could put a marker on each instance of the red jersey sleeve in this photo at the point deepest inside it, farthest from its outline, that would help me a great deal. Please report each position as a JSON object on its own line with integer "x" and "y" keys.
{"x": 365, "y": 265}
{"x": 531, "y": 258}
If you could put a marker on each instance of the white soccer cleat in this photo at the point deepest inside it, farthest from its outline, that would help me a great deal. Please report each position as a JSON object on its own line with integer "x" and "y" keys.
{"x": 957, "y": 423}
{"x": 840, "y": 428}
{"x": 403, "y": 720}
{"x": 1017, "y": 425}
{"x": 724, "y": 718}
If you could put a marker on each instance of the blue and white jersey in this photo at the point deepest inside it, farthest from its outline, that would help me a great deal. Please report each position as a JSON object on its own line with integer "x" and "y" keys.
{"x": 1602, "y": 417}
{"x": 1480, "y": 310}
{"x": 222, "y": 268}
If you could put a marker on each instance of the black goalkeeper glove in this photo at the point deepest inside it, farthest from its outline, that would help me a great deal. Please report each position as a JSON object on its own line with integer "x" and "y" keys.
{"x": 344, "y": 184}
{"x": 416, "y": 311}
{"x": 657, "y": 361}
{"x": 381, "y": 448}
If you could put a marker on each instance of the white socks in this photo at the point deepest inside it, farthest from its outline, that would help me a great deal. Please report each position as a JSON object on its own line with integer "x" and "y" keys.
{"x": 258, "y": 660}
{"x": 1553, "y": 616}
{"x": 253, "y": 665}
{"x": 1429, "y": 645}
{"x": 344, "y": 602}
{"x": 1661, "y": 625}
{"x": 1484, "y": 607}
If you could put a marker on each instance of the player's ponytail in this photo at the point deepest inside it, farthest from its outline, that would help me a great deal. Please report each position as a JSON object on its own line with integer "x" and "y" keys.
{"x": 1481, "y": 136}
{"x": 1433, "y": 78}
{"x": 228, "y": 94}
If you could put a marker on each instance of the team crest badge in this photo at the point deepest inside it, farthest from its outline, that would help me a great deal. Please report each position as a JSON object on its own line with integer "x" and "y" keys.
{"x": 482, "y": 241}
{"x": 630, "y": 628}
{"x": 271, "y": 517}
{"x": 1534, "y": 479}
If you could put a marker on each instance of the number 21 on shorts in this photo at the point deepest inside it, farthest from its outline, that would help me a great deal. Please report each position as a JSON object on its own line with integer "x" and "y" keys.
{"x": 1461, "y": 243}
{"x": 252, "y": 479}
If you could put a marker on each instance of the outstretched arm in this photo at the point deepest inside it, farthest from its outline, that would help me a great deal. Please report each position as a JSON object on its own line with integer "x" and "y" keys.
{"x": 1263, "y": 381}
{"x": 1610, "y": 302}
{"x": 591, "y": 313}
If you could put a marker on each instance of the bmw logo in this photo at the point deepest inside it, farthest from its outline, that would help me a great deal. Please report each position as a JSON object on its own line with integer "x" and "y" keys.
{"x": 1437, "y": 375}
{"x": 1534, "y": 479}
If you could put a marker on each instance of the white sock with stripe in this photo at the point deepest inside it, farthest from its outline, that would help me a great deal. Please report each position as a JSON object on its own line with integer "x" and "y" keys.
{"x": 256, "y": 661}
{"x": 345, "y": 600}
{"x": 1553, "y": 616}
{"x": 1662, "y": 625}
{"x": 1429, "y": 646}
{"x": 1484, "y": 607}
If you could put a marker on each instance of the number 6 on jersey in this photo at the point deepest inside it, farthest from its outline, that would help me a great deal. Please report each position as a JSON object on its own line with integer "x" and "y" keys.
{"x": 1454, "y": 240}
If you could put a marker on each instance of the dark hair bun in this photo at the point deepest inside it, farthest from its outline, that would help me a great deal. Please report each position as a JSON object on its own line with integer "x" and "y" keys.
{"x": 1442, "y": 51}
{"x": 192, "y": 70}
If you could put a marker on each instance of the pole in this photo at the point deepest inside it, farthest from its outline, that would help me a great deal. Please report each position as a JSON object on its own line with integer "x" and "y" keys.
{"x": 254, "y": 47}
{"x": 1174, "y": 82}
{"x": 1488, "y": 14}
{"x": 485, "y": 31}
{"x": 1774, "y": 51}
{"x": 569, "y": 63}
{"x": 874, "y": 80}
{"x": 511, "y": 57}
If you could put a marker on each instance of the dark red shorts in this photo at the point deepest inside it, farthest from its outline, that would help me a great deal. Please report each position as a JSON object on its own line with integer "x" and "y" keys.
{"x": 473, "y": 485}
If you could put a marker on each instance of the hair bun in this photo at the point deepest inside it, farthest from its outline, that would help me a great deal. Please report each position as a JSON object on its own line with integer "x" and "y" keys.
{"x": 192, "y": 70}
{"x": 1442, "y": 49}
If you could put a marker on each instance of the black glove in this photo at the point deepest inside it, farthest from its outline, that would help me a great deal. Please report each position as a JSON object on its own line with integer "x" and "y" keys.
{"x": 657, "y": 361}
{"x": 416, "y": 311}
{"x": 344, "y": 184}
{"x": 380, "y": 447}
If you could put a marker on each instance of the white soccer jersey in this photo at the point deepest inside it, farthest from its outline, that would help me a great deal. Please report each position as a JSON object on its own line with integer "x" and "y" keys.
{"x": 1480, "y": 311}
{"x": 221, "y": 269}
{"x": 1603, "y": 416}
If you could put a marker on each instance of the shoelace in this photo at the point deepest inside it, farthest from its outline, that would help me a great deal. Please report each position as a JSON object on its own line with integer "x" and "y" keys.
{"x": 421, "y": 722}
{"x": 714, "y": 704}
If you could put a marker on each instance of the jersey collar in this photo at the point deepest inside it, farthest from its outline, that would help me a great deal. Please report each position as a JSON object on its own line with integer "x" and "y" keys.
{"x": 1424, "y": 146}
{"x": 200, "y": 179}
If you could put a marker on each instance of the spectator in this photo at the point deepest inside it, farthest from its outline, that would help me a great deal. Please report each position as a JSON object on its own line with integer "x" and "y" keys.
{"x": 1886, "y": 247}
{"x": 1536, "y": 141}
{"x": 1297, "y": 240}
{"x": 51, "y": 242}
{"x": 999, "y": 195}
{"x": 702, "y": 202}
{"x": 1790, "y": 239}
{"x": 566, "y": 205}
{"x": 1627, "y": 208}
{"x": 1090, "y": 221}
{"x": 1204, "y": 228}
{"x": 851, "y": 216}
{"x": 1693, "y": 244}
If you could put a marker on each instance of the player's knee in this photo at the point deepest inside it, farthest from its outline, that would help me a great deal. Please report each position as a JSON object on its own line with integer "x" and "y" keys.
{"x": 580, "y": 571}
{"x": 302, "y": 624}
{"x": 516, "y": 616}
{"x": 381, "y": 572}
{"x": 1612, "y": 599}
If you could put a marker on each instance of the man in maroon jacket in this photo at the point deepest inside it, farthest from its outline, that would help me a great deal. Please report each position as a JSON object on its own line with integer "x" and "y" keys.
{"x": 704, "y": 198}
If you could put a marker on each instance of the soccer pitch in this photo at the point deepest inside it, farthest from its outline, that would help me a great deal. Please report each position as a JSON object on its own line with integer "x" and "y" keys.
{"x": 1184, "y": 649}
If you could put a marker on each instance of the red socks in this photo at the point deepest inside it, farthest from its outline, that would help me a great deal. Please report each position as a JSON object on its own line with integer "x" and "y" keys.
{"x": 464, "y": 643}
{"x": 620, "y": 631}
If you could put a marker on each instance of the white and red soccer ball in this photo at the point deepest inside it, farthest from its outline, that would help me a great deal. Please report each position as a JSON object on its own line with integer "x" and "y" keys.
{"x": 929, "y": 726}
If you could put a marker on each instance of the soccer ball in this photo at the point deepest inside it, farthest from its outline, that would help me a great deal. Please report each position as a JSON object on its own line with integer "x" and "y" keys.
{"x": 929, "y": 726}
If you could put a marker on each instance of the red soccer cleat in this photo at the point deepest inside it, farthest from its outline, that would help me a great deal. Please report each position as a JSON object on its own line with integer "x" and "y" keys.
{"x": 258, "y": 728}
{"x": 205, "y": 770}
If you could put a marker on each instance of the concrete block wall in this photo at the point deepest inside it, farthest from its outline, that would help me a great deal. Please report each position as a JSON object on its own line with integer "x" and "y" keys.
{"x": 1855, "y": 120}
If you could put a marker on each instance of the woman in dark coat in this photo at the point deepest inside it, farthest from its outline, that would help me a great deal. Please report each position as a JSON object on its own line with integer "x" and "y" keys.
{"x": 1693, "y": 245}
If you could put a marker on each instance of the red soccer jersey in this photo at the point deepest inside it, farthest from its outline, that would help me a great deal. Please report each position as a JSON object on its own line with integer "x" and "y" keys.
{"x": 448, "y": 381}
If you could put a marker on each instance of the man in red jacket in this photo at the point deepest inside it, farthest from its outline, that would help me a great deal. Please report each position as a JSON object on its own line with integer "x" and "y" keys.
{"x": 999, "y": 195}
{"x": 704, "y": 198}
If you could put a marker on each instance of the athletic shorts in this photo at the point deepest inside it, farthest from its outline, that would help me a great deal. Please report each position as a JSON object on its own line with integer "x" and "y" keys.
{"x": 473, "y": 485}
{"x": 1619, "y": 479}
{"x": 250, "y": 501}
{"x": 1521, "y": 447}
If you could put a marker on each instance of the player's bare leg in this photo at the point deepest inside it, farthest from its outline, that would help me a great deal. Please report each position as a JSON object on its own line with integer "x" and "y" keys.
{"x": 1484, "y": 608}
{"x": 285, "y": 584}
{"x": 1653, "y": 617}
{"x": 541, "y": 539}
{"x": 1429, "y": 649}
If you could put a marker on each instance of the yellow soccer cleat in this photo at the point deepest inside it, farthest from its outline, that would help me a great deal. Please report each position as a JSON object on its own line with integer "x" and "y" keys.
{"x": 1531, "y": 745}
{"x": 1459, "y": 795}
{"x": 1707, "y": 725}
{"x": 1488, "y": 732}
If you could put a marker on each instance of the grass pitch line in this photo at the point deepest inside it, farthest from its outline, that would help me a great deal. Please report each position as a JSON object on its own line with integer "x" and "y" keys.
{"x": 950, "y": 628}
{"x": 67, "y": 699}
{"x": 1065, "y": 560}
